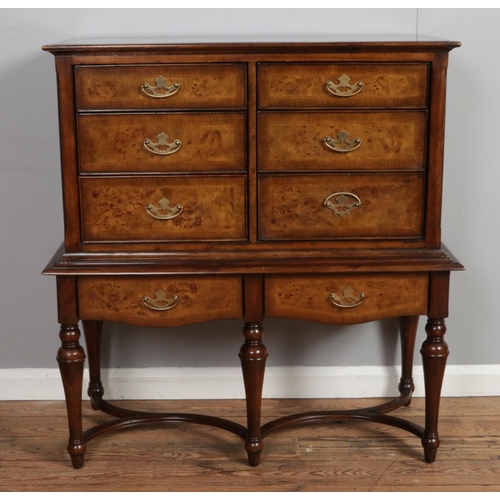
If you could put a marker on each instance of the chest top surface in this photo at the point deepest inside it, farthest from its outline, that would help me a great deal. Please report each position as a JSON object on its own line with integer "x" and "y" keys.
{"x": 258, "y": 42}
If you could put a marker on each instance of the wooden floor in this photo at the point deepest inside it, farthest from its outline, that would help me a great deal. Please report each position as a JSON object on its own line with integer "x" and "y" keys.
{"x": 351, "y": 456}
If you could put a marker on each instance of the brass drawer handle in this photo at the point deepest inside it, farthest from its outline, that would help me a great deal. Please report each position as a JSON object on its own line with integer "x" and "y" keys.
{"x": 162, "y": 147}
{"x": 344, "y": 205}
{"x": 164, "y": 206}
{"x": 347, "y": 299}
{"x": 161, "y": 84}
{"x": 342, "y": 144}
{"x": 343, "y": 80}
{"x": 160, "y": 302}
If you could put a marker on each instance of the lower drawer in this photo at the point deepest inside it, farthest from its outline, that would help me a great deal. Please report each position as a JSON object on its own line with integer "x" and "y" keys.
{"x": 192, "y": 208}
{"x": 346, "y": 298}
{"x": 341, "y": 206}
{"x": 160, "y": 301}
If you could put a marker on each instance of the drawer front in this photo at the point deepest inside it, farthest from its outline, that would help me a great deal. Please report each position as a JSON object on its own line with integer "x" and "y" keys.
{"x": 162, "y": 142}
{"x": 346, "y": 298}
{"x": 358, "y": 141}
{"x": 351, "y": 85}
{"x": 199, "y": 86}
{"x": 306, "y": 207}
{"x": 194, "y": 208}
{"x": 160, "y": 301}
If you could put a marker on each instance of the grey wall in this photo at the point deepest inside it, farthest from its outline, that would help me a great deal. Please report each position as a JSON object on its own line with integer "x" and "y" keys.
{"x": 30, "y": 194}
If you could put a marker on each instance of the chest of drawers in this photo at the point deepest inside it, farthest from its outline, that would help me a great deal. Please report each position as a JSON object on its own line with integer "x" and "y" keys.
{"x": 211, "y": 179}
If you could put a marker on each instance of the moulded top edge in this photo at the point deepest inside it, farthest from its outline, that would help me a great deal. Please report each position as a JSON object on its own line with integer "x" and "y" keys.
{"x": 242, "y": 44}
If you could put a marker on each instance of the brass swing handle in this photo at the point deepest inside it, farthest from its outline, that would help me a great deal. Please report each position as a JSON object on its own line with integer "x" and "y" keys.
{"x": 160, "y": 302}
{"x": 162, "y": 147}
{"x": 352, "y": 89}
{"x": 342, "y": 144}
{"x": 164, "y": 206}
{"x": 161, "y": 85}
{"x": 342, "y": 203}
{"x": 347, "y": 300}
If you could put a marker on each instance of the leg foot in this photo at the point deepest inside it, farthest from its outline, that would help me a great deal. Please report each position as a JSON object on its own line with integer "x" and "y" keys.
{"x": 431, "y": 445}
{"x": 75, "y": 452}
{"x": 254, "y": 449}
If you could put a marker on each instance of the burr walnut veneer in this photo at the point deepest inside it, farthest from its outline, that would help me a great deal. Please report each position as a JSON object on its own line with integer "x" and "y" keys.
{"x": 228, "y": 178}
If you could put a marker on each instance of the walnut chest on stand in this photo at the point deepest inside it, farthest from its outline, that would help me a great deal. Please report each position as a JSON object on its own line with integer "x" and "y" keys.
{"x": 249, "y": 178}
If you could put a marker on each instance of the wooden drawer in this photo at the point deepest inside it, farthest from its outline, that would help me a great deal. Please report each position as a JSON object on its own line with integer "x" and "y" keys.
{"x": 201, "y": 86}
{"x": 305, "y": 85}
{"x": 296, "y": 141}
{"x": 293, "y": 207}
{"x": 356, "y": 298}
{"x": 160, "y": 301}
{"x": 126, "y": 208}
{"x": 116, "y": 143}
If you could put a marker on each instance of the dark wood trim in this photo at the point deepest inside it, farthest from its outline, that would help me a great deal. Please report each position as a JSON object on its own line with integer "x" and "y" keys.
{"x": 252, "y": 262}
{"x": 68, "y": 143}
{"x": 245, "y": 45}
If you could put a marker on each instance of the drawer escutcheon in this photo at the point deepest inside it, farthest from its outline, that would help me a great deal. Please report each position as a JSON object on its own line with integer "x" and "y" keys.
{"x": 161, "y": 84}
{"x": 160, "y": 298}
{"x": 347, "y": 300}
{"x": 343, "y": 80}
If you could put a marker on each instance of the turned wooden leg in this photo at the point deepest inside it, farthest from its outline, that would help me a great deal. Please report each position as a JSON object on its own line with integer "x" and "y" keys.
{"x": 253, "y": 355}
{"x": 408, "y": 332}
{"x": 92, "y": 331}
{"x": 434, "y": 354}
{"x": 71, "y": 359}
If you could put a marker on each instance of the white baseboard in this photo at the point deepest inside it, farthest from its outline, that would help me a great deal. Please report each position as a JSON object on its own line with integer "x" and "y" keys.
{"x": 226, "y": 383}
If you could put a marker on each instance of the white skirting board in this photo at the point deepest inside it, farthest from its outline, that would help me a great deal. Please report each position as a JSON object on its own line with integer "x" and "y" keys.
{"x": 226, "y": 383}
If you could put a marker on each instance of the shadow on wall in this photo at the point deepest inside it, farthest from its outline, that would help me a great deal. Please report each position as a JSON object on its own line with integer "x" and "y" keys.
{"x": 217, "y": 343}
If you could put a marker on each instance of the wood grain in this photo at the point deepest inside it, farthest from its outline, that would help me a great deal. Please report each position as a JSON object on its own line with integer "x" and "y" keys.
{"x": 303, "y": 85}
{"x": 295, "y": 141}
{"x": 201, "y": 86}
{"x": 114, "y": 209}
{"x": 307, "y": 297}
{"x": 114, "y": 143}
{"x": 201, "y": 298}
{"x": 292, "y": 206}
